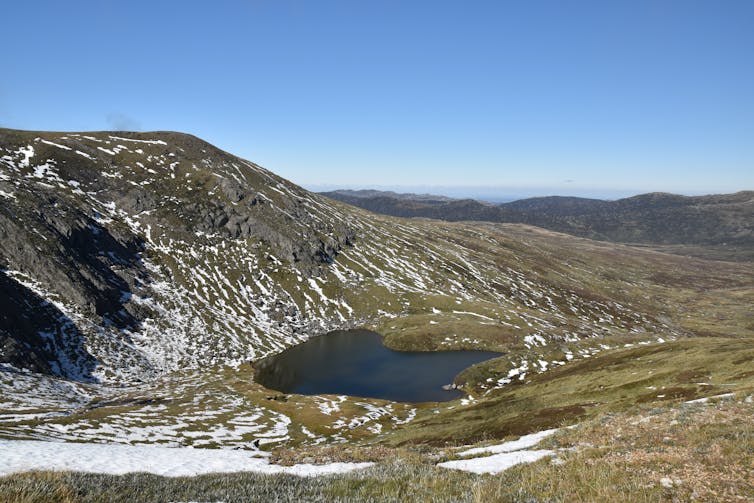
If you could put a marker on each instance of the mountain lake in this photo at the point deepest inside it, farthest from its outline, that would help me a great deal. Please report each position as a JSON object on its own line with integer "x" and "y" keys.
{"x": 356, "y": 363}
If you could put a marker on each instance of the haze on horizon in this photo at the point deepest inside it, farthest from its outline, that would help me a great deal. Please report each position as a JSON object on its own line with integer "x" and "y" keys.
{"x": 599, "y": 99}
{"x": 498, "y": 194}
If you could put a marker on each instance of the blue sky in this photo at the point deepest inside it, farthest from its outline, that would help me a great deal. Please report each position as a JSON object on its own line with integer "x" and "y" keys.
{"x": 508, "y": 97}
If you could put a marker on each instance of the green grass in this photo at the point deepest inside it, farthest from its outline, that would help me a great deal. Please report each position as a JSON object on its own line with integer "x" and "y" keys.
{"x": 610, "y": 381}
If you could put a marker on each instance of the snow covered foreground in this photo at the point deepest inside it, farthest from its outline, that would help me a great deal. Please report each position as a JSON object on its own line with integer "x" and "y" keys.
{"x": 26, "y": 455}
{"x": 504, "y": 455}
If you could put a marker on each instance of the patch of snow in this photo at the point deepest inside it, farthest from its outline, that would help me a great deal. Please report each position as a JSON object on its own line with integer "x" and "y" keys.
{"x": 524, "y": 442}
{"x": 496, "y": 463}
{"x": 56, "y": 145}
{"x": 410, "y": 417}
{"x": 26, "y": 455}
{"x": 27, "y": 153}
{"x": 534, "y": 340}
{"x": 468, "y": 313}
{"x": 153, "y": 142}
{"x": 708, "y": 398}
{"x": 327, "y": 407}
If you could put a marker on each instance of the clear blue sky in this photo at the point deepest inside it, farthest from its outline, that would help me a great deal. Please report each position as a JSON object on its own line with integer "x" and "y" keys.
{"x": 559, "y": 97}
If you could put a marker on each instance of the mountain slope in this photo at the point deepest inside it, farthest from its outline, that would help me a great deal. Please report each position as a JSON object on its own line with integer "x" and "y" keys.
{"x": 134, "y": 237}
{"x": 659, "y": 219}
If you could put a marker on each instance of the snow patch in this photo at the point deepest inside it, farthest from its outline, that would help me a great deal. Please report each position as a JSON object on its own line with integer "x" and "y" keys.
{"x": 26, "y": 455}
{"x": 504, "y": 455}
{"x": 524, "y": 442}
{"x": 153, "y": 142}
{"x": 708, "y": 398}
{"x": 497, "y": 463}
{"x": 56, "y": 145}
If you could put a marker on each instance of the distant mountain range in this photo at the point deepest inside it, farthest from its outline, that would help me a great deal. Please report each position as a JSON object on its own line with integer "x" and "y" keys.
{"x": 715, "y": 226}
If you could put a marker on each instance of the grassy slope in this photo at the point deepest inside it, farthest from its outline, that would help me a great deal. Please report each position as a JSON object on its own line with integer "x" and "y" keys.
{"x": 634, "y": 431}
{"x": 698, "y": 297}
{"x": 700, "y": 452}
{"x": 609, "y": 382}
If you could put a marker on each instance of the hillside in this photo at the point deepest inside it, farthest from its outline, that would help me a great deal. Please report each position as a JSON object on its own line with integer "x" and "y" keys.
{"x": 714, "y": 226}
{"x": 141, "y": 274}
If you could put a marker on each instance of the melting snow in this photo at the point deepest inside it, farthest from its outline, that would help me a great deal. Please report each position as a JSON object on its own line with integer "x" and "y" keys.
{"x": 708, "y": 398}
{"x": 522, "y": 443}
{"x": 153, "y": 142}
{"x": 504, "y": 456}
{"x": 25, "y": 455}
{"x": 27, "y": 153}
{"x": 497, "y": 463}
{"x": 56, "y": 145}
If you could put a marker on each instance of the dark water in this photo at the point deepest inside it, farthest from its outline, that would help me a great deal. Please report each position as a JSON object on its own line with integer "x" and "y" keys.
{"x": 354, "y": 362}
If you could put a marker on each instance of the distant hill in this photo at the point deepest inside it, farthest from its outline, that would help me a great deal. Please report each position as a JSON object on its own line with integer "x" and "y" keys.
{"x": 722, "y": 225}
{"x": 367, "y": 194}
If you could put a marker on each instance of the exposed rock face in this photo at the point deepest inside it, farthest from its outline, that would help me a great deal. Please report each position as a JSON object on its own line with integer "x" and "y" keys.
{"x": 57, "y": 244}
{"x": 37, "y": 336}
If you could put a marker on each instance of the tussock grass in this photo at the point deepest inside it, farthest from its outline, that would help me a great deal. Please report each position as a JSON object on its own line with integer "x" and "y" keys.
{"x": 683, "y": 452}
{"x": 333, "y": 453}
